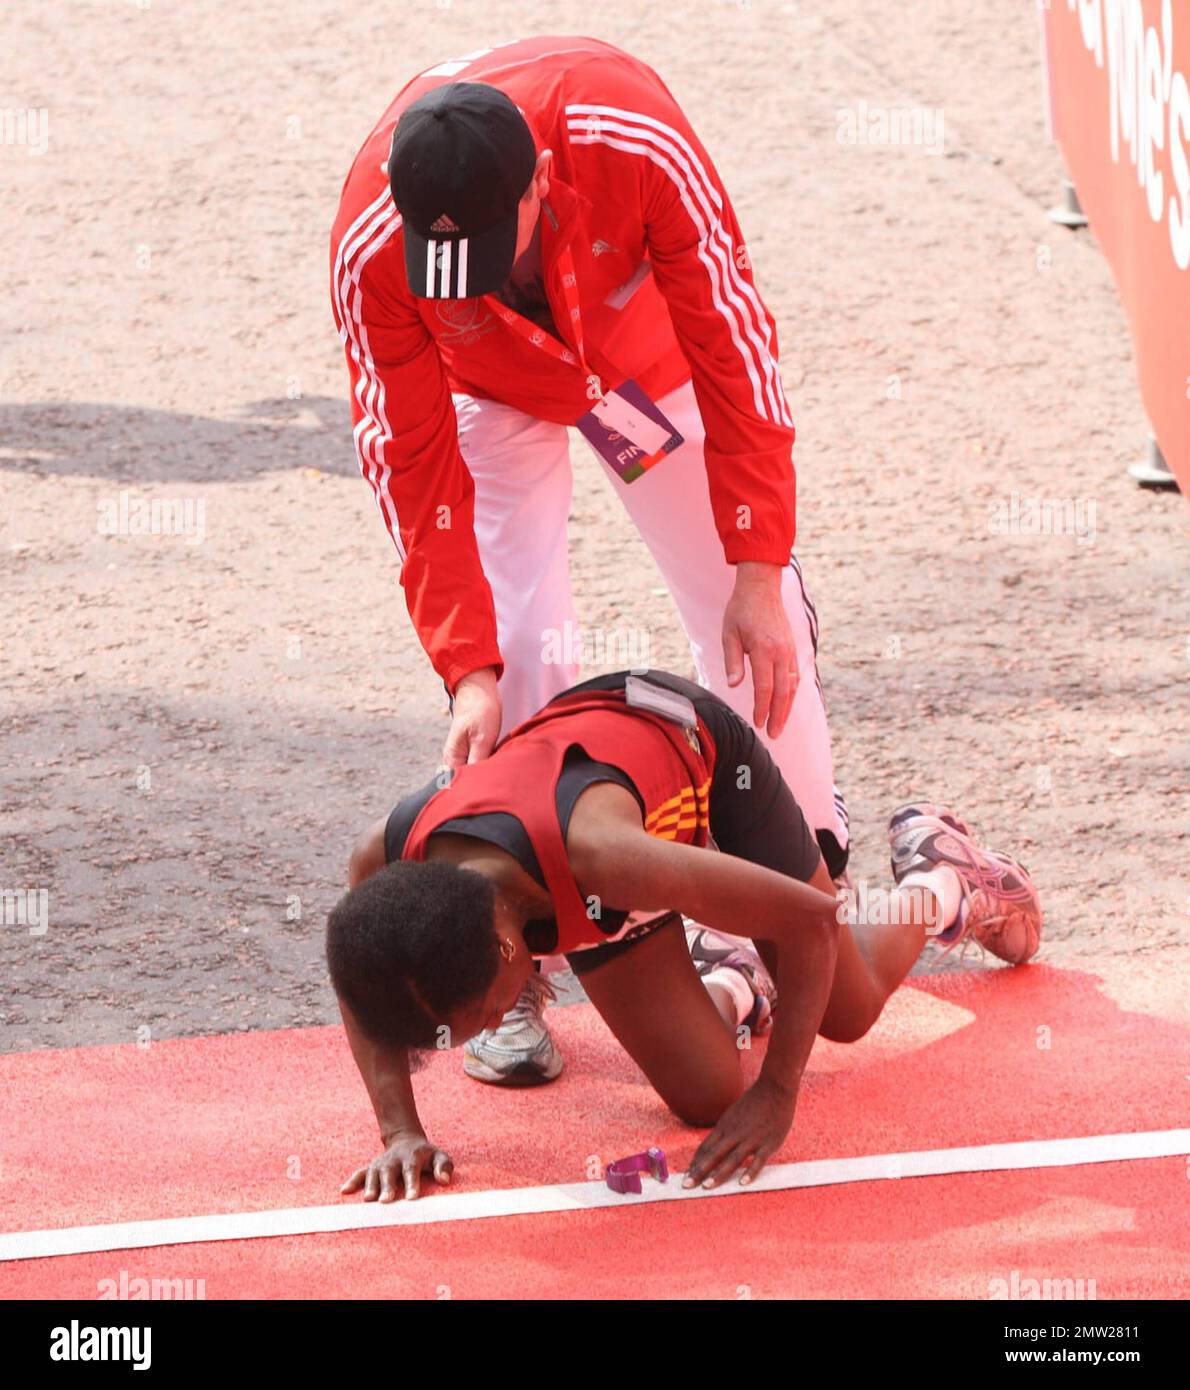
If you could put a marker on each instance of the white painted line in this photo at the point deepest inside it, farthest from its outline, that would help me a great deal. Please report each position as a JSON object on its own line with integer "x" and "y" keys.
{"x": 355, "y": 1215}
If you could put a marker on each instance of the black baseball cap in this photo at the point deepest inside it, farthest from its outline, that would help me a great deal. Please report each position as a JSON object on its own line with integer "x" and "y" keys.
{"x": 462, "y": 157}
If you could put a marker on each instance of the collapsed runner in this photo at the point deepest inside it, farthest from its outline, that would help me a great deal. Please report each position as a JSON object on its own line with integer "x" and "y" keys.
{"x": 617, "y": 792}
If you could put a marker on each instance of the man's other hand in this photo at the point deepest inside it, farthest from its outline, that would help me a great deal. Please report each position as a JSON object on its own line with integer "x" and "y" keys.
{"x": 755, "y": 625}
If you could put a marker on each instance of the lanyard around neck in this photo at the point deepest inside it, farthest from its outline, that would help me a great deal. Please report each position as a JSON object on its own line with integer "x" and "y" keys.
{"x": 546, "y": 342}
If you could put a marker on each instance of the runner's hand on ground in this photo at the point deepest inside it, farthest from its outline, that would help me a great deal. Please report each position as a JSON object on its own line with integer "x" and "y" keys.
{"x": 399, "y": 1169}
{"x": 753, "y": 1128}
{"x": 475, "y": 720}
{"x": 756, "y": 625}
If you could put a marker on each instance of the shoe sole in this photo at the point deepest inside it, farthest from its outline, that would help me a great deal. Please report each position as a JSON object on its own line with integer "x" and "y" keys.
{"x": 1034, "y": 918}
{"x": 521, "y": 1077}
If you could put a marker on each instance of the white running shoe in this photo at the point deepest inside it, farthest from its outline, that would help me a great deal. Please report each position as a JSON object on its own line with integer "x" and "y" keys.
{"x": 520, "y": 1052}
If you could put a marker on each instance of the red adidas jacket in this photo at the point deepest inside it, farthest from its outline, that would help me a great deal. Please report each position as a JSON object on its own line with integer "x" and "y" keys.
{"x": 638, "y": 200}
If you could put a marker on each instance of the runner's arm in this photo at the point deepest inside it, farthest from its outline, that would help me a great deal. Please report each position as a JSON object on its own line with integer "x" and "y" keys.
{"x": 617, "y": 861}
{"x": 385, "y": 1071}
{"x": 384, "y": 1067}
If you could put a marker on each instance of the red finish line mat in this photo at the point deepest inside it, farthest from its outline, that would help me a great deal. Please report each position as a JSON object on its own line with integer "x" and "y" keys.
{"x": 272, "y": 1122}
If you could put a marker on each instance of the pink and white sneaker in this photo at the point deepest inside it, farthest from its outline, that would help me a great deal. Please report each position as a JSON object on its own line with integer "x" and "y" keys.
{"x": 1000, "y": 909}
{"x": 712, "y": 951}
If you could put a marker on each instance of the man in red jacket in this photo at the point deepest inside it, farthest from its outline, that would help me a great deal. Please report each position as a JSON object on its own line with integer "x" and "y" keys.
{"x": 531, "y": 238}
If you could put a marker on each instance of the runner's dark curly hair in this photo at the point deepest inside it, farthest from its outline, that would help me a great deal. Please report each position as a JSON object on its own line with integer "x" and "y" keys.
{"x": 410, "y": 945}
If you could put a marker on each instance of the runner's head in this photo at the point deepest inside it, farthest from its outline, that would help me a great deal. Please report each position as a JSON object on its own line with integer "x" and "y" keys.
{"x": 463, "y": 164}
{"x": 415, "y": 947}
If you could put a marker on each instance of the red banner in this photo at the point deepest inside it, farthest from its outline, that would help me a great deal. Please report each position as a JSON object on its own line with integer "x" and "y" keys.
{"x": 1119, "y": 78}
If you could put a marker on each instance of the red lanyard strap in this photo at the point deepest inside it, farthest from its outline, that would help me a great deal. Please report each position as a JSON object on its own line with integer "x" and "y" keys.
{"x": 546, "y": 342}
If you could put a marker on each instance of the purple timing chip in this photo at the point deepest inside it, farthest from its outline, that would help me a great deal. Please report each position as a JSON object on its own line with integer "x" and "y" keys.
{"x": 624, "y": 1174}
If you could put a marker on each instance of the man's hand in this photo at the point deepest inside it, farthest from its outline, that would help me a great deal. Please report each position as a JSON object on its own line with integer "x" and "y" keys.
{"x": 402, "y": 1164}
{"x": 755, "y": 625}
{"x": 475, "y": 724}
{"x": 754, "y": 1127}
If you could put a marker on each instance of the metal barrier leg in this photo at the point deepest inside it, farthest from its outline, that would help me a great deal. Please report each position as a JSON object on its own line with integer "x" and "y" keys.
{"x": 1153, "y": 471}
{"x": 1069, "y": 212}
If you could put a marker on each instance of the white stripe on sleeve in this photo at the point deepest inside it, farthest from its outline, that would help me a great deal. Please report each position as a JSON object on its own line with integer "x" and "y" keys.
{"x": 734, "y": 297}
{"x": 373, "y": 431}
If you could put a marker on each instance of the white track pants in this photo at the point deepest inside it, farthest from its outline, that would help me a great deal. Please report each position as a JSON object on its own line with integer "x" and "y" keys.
{"x": 521, "y": 468}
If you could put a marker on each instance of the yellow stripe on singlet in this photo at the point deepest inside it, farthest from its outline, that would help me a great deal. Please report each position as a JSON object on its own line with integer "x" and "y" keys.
{"x": 687, "y": 809}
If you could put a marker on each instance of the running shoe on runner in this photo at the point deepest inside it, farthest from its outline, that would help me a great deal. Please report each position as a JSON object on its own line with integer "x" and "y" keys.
{"x": 999, "y": 909}
{"x": 711, "y": 951}
{"x": 521, "y": 1051}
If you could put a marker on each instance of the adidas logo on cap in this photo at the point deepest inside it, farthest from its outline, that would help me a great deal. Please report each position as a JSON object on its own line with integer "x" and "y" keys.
{"x": 444, "y": 224}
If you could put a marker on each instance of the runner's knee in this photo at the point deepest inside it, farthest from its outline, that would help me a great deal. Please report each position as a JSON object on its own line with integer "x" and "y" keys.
{"x": 849, "y": 1027}
{"x": 702, "y": 1105}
